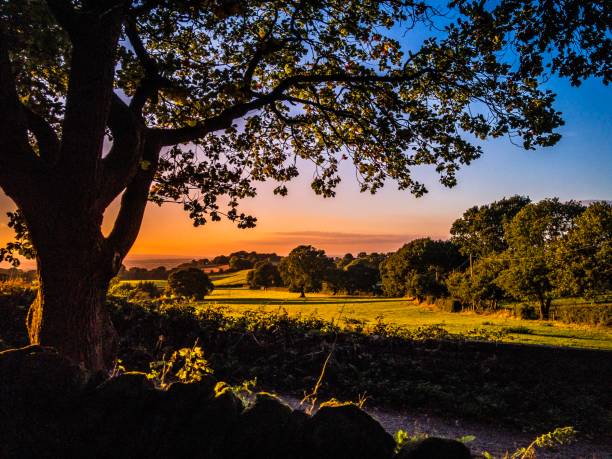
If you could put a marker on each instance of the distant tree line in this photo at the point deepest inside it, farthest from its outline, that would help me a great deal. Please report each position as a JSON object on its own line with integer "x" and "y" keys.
{"x": 511, "y": 249}
{"x": 533, "y": 251}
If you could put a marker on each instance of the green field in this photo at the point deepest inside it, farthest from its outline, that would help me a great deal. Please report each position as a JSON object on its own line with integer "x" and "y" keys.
{"x": 231, "y": 293}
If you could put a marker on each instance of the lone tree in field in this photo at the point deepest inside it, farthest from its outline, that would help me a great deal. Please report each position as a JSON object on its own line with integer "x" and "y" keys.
{"x": 190, "y": 283}
{"x": 305, "y": 269}
{"x": 185, "y": 101}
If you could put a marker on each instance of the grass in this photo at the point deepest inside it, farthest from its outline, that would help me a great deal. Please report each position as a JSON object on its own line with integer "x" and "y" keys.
{"x": 237, "y": 279}
{"x": 406, "y": 313}
{"x": 231, "y": 293}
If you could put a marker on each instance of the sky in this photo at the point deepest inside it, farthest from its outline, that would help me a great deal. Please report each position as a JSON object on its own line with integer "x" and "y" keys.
{"x": 578, "y": 167}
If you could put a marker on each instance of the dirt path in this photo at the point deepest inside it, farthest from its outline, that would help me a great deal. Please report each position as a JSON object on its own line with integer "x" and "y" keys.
{"x": 487, "y": 438}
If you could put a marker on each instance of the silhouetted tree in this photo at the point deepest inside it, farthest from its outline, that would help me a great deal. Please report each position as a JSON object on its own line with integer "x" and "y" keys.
{"x": 188, "y": 101}
{"x": 264, "y": 274}
{"x": 190, "y": 283}
{"x": 237, "y": 264}
{"x": 304, "y": 269}
{"x": 361, "y": 276}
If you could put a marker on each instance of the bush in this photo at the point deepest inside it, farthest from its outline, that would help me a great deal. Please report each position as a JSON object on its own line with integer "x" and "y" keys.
{"x": 449, "y": 304}
{"x": 525, "y": 312}
{"x": 190, "y": 283}
{"x": 596, "y": 314}
{"x": 136, "y": 291}
{"x": 16, "y": 293}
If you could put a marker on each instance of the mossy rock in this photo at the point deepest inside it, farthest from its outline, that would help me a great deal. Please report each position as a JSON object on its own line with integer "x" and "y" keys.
{"x": 346, "y": 431}
{"x": 199, "y": 428}
{"x": 435, "y": 448}
{"x": 39, "y": 396}
{"x": 269, "y": 427}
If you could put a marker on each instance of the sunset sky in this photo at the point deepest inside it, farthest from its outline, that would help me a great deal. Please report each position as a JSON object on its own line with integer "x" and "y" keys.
{"x": 579, "y": 167}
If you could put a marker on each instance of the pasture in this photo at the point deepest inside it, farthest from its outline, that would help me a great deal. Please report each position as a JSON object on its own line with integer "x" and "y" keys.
{"x": 231, "y": 293}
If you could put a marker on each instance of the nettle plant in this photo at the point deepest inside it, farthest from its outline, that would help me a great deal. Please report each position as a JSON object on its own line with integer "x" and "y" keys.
{"x": 191, "y": 100}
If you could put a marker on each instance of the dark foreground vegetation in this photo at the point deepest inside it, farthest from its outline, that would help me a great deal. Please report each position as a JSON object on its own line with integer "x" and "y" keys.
{"x": 532, "y": 387}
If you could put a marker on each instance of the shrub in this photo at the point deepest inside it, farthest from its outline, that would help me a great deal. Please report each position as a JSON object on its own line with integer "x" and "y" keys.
{"x": 449, "y": 304}
{"x": 136, "y": 291}
{"x": 596, "y": 314}
{"x": 518, "y": 330}
{"x": 17, "y": 293}
{"x": 525, "y": 311}
{"x": 190, "y": 283}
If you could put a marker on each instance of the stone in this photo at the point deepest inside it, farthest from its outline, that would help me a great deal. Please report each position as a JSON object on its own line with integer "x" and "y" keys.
{"x": 269, "y": 427}
{"x": 39, "y": 394}
{"x": 346, "y": 431}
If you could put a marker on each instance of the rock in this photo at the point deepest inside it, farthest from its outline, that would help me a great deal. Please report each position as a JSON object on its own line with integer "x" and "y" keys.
{"x": 132, "y": 384}
{"x": 191, "y": 396}
{"x": 118, "y": 416}
{"x": 39, "y": 393}
{"x": 435, "y": 448}
{"x": 199, "y": 429}
{"x": 346, "y": 431}
{"x": 269, "y": 427}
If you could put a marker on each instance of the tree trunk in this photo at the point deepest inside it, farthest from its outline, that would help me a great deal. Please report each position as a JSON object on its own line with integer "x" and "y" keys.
{"x": 545, "y": 308}
{"x": 69, "y": 312}
{"x": 302, "y": 294}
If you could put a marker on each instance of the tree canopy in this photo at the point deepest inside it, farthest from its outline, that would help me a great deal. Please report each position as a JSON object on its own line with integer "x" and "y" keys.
{"x": 419, "y": 268}
{"x": 263, "y": 275}
{"x": 190, "y": 283}
{"x": 480, "y": 230}
{"x": 188, "y": 101}
{"x": 305, "y": 269}
{"x": 533, "y": 237}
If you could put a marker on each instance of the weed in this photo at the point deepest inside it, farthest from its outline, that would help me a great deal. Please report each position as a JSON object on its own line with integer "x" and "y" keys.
{"x": 518, "y": 330}
{"x": 188, "y": 363}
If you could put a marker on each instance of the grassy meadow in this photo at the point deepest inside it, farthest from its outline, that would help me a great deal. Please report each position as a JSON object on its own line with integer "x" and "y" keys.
{"x": 231, "y": 293}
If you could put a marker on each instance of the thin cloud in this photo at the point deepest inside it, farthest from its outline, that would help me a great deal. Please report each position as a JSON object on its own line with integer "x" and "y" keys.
{"x": 338, "y": 241}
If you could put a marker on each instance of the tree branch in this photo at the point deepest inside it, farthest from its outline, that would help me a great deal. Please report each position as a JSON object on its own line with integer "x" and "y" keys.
{"x": 90, "y": 92}
{"x": 225, "y": 119}
{"x": 65, "y": 15}
{"x": 48, "y": 142}
{"x": 16, "y": 154}
{"x": 122, "y": 161}
{"x": 152, "y": 80}
{"x": 134, "y": 201}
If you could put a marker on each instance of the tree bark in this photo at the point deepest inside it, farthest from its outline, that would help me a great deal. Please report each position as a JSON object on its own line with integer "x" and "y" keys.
{"x": 545, "y": 308}
{"x": 69, "y": 312}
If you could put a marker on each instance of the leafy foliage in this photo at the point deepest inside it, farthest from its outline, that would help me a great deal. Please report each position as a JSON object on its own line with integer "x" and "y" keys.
{"x": 480, "y": 230}
{"x": 190, "y": 283}
{"x": 22, "y": 245}
{"x": 533, "y": 236}
{"x": 186, "y": 365}
{"x": 304, "y": 269}
{"x": 585, "y": 257}
{"x": 419, "y": 268}
{"x": 264, "y": 274}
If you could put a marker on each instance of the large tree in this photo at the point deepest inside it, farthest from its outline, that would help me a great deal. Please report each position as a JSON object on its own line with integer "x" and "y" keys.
{"x": 534, "y": 236}
{"x": 186, "y": 101}
{"x": 480, "y": 230}
{"x": 419, "y": 268}
{"x": 585, "y": 258}
{"x": 305, "y": 269}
